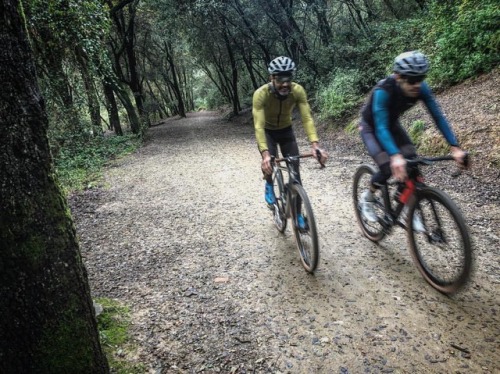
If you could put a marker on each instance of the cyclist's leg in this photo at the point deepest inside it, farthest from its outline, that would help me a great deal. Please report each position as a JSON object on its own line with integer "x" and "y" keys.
{"x": 381, "y": 157}
{"x": 378, "y": 155}
{"x": 409, "y": 151}
{"x": 289, "y": 147}
{"x": 272, "y": 146}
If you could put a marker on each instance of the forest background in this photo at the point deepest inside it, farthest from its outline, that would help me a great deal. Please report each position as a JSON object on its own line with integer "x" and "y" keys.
{"x": 119, "y": 67}
{"x": 84, "y": 81}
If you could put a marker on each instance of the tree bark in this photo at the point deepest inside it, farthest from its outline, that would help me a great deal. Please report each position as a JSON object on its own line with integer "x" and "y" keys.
{"x": 112, "y": 108}
{"x": 92, "y": 95}
{"x": 174, "y": 82}
{"x": 47, "y": 321}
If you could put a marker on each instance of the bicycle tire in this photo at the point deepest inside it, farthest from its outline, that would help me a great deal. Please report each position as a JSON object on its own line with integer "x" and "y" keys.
{"x": 361, "y": 182}
{"x": 306, "y": 239}
{"x": 443, "y": 253}
{"x": 279, "y": 214}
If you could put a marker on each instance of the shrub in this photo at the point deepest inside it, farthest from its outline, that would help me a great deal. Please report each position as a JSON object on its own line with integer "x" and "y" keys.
{"x": 464, "y": 39}
{"x": 341, "y": 95}
{"x": 80, "y": 161}
{"x": 416, "y": 131}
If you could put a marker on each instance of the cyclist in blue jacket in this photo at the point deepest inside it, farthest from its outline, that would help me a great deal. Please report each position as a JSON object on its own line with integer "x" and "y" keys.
{"x": 384, "y": 137}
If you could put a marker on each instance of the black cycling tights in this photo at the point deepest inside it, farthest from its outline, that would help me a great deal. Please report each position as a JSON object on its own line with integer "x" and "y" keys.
{"x": 287, "y": 142}
{"x": 381, "y": 157}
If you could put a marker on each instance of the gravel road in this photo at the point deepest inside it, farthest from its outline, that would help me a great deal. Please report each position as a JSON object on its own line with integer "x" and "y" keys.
{"x": 180, "y": 233}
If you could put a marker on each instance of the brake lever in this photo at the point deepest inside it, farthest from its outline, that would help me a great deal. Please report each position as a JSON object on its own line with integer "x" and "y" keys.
{"x": 318, "y": 157}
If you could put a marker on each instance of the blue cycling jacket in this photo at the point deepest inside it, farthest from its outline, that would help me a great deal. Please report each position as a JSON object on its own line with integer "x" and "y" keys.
{"x": 387, "y": 103}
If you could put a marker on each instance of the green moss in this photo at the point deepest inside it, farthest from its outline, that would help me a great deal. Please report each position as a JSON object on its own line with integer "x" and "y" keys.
{"x": 67, "y": 346}
{"x": 114, "y": 324}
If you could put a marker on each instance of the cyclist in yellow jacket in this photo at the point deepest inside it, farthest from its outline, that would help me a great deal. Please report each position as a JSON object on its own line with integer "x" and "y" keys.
{"x": 272, "y": 115}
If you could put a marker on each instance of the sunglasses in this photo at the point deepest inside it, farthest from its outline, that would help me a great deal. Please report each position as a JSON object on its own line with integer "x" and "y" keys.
{"x": 414, "y": 79}
{"x": 283, "y": 78}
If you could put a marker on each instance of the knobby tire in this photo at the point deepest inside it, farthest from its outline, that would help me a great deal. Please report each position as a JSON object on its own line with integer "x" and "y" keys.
{"x": 279, "y": 215}
{"x": 361, "y": 182}
{"x": 443, "y": 254}
{"x": 307, "y": 240}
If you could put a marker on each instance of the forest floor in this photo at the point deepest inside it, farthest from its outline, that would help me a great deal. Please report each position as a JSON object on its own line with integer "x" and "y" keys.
{"x": 180, "y": 233}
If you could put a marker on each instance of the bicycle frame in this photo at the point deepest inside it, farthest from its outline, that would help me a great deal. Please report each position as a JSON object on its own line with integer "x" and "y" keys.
{"x": 391, "y": 216}
{"x": 410, "y": 187}
{"x": 293, "y": 202}
{"x": 291, "y": 168}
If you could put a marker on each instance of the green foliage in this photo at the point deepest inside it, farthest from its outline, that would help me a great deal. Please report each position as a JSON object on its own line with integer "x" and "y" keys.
{"x": 464, "y": 38}
{"x": 113, "y": 325}
{"x": 80, "y": 162}
{"x": 341, "y": 95}
{"x": 416, "y": 131}
{"x": 431, "y": 144}
{"x": 214, "y": 100}
{"x": 352, "y": 127}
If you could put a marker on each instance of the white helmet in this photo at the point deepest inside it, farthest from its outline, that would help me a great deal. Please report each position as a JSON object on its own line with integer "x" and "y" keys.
{"x": 281, "y": 65}
{"x": 411, "y": 63}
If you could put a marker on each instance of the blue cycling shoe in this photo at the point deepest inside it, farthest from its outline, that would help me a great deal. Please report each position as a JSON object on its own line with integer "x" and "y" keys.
{"x": 301, "y": 222}
{"x": 269, "y": 194}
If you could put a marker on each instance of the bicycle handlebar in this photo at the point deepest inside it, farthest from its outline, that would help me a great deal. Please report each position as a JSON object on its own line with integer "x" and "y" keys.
{"x": 317, "y": 156}
{"x": 430, "y": 160}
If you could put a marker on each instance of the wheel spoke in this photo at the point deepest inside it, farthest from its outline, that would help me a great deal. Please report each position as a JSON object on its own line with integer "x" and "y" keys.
{"x": 362, "y": 181}
{"x": 442, "y": 252}
{"x": 305, "y": 236}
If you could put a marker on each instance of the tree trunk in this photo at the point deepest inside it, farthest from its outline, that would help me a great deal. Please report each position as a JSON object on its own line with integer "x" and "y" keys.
{"x": 112, "y": 108}
{"x": 174, "y": 83}
{"x": 47, "y": 321}
{"x": 92, "y": 96}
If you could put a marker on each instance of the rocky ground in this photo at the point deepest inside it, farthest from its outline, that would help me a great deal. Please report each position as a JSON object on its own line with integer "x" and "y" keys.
{"x": 179, "y": 232}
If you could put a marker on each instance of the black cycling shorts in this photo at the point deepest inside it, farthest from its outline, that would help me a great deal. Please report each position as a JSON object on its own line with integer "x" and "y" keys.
{"x": 379, "y": 155}
{"x": 287, "y": 142}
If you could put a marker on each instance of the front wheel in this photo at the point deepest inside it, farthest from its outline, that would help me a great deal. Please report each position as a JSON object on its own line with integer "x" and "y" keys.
{"x": 305, "y": 232}
{"x": 442, "y": 248}
{"x": 361, "y": 183}
{"x": 279, "y": 214}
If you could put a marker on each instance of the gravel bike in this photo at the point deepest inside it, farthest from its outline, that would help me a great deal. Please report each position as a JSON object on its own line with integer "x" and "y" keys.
{"x": 292, "y": 201}
{"x": 441, "y": 248}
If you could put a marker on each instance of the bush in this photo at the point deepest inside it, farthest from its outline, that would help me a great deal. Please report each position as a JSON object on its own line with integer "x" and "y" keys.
{"x": 464, "y": 39}
{"x": 80, "y": 161}
{"x": 416, "y": 131}
{"x": 341, "y": 95}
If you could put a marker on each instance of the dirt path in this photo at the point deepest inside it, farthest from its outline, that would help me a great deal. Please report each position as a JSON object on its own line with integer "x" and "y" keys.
{"x": 181, "y": 234}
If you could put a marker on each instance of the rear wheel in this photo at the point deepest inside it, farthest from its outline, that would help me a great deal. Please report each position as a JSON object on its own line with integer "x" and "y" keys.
{"x": 361, "y": 183}
{"x": 306, "y": 237}
{"x": 442, "y": 252}
{"x": 279, "y": 214}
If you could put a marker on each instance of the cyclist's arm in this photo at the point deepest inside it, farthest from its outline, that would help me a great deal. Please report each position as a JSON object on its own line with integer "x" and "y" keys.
{"x": 380, "y": 110}
{"x": 438, "y": 116}
{"x": 309, "y": 127}
{"x": 259, "y": 120}
{"x": 305, "y": 114}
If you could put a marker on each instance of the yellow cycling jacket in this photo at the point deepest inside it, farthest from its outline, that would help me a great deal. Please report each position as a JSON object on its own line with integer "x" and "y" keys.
{"x": 273, "y": 114}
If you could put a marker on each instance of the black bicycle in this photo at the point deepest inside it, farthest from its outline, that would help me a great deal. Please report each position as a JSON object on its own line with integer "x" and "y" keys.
{"x": 441, "y": 246}
{"x": 293, "y": 202}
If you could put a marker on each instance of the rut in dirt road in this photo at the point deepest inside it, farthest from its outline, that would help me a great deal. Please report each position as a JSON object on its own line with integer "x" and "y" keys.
{"x": 181, "y": 234}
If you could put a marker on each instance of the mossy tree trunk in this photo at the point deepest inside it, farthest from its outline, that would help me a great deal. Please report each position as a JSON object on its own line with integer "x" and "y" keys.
{"x": 47, "y": 322}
